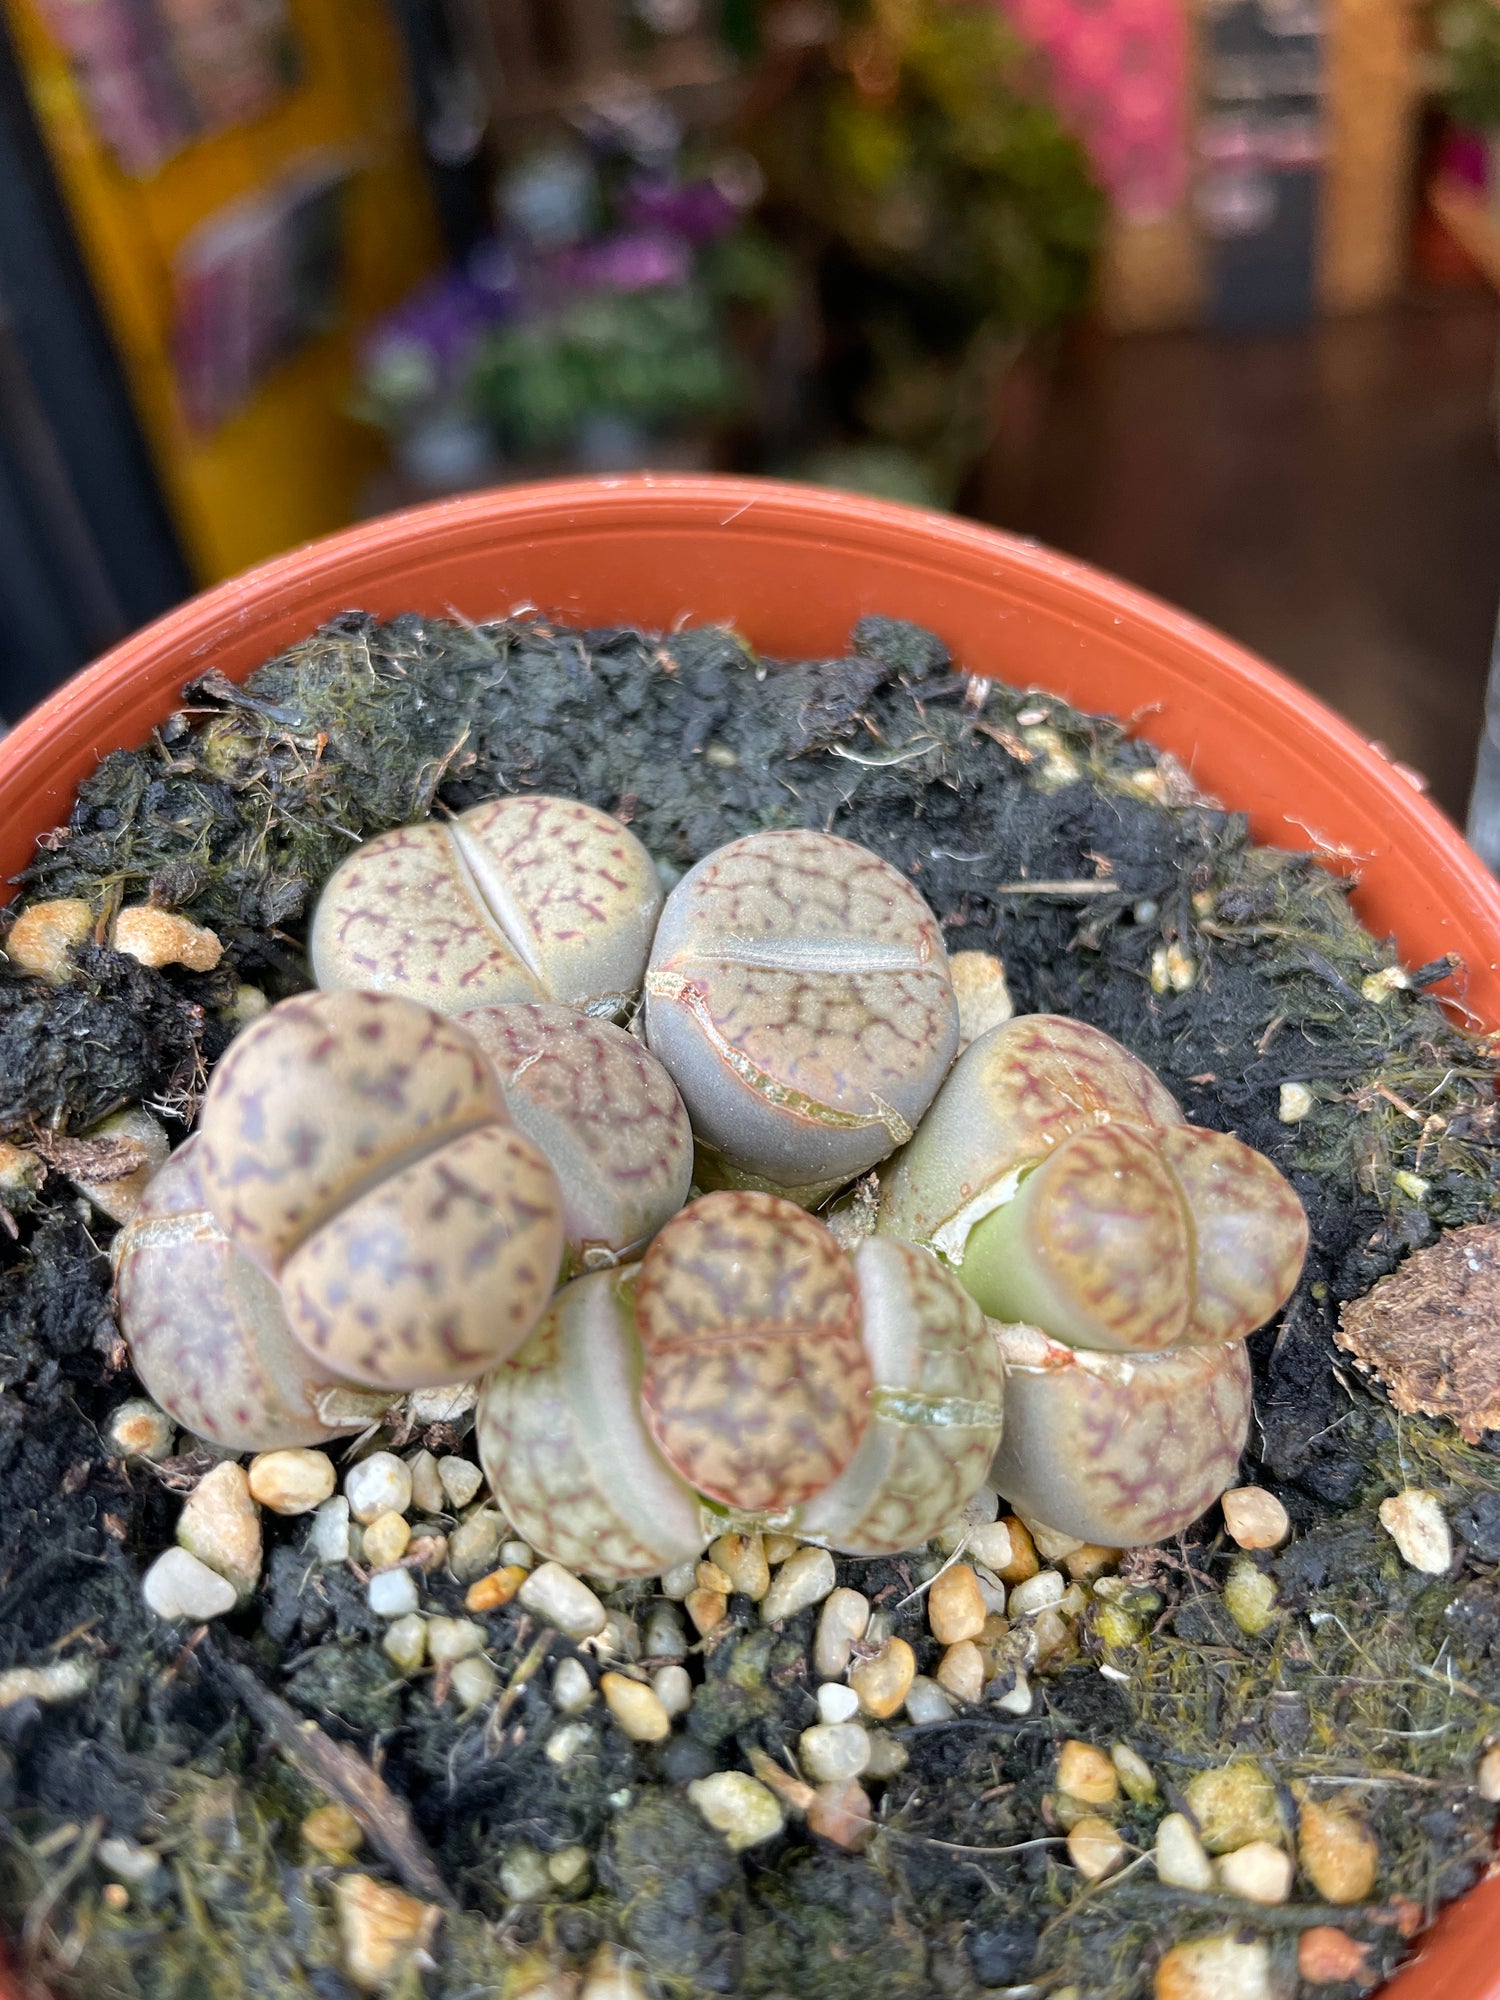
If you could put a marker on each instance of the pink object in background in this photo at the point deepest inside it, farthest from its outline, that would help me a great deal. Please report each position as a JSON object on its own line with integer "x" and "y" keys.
{"x": 1120, "y": 78}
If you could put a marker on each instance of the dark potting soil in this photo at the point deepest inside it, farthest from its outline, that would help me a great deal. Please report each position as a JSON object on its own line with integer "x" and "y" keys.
{"x": 1112, "y": 891}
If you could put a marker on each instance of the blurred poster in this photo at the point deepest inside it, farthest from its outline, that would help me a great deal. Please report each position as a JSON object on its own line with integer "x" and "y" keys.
{"x": 156, "y": 74}
{"x": 1119, "y": 72}
{"x": 253, "y": 285}
{"x": 1260, "y": 151}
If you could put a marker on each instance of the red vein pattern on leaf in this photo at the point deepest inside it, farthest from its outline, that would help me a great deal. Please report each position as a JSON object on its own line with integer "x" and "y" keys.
{"x": 798, "y": 884}
{"x": 1158, "y": 1452}
{"x": 405, "y": 915}
{"x": 756, "y": 1384}
{"x": 1056, "y": 1077}
{"x": 569, "y": 866}
{"x": 1251, "y": 1231}
{"x": 1112, "y": 1230}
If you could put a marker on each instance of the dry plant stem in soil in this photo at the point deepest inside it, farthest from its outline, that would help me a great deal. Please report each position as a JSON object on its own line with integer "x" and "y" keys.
{"x": 1113, "y": 893}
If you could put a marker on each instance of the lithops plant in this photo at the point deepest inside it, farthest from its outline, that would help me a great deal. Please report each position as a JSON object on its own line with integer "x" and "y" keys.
{"x": 750, "y": 1364}
{"x": 206, "y": 1329}
{"x": 356, "y": 1149}
{"x": 525, "y": 898}
{"x": 798, "y": 992}
{"x": 1059, "y": 1180}
{"x": 606, "y": 1115}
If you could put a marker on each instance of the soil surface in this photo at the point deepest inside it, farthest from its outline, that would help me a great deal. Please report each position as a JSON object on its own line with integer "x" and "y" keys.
{"x": 1113, "y": 892}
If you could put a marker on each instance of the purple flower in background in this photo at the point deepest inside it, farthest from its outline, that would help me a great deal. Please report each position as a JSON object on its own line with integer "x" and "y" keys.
{"x": 633, "y": 261}
{"x": 696, "y": 210}
{"x": 427, "y": 340}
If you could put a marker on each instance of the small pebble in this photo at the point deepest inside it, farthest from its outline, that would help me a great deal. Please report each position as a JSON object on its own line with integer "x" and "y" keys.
{"x": 292, "y": 1482}
{"x": 664, "y": 1637}
{"x": 1259, "y": 1871}
{"x": 673, "y": 1688}
{"x": 1086, "y": 1773}
{"x": 980, "y": 1512}
{"x": 1487, "y": 1778}
{"x": 405, "y": 1642}
{"x": 381, "y": 1929}
{"x": 926, "y": 1701}
{"x": 636, "y": 1707}
{"x": 779, "y": 1547}
{"x": 59, "y": 1681}
{"x": 138, "y": 1429}
{"x": 473, "y": 1680}
{"x": 1017, "y": 1699}
{"x": 494, "y": 1592}
{"x": 427, "y": 1490}
{"x": 220, "y": 1525}
{"x": 706, "y": 1608}
{"x": 379, "y": 1484}
{"x": 1135, "y": 1773}
{"x": 1051, "y": 1543}
{"x": 1216, "y": 1968}
{"x": 1233, "y": 1806}
{"x": 460, "y": 1478}
{"x": 1250, "y": 1596}
{"x": 841, "y": 1623}
{"x": 330, "y": 1528}
{"x": 524, "y": 1876}
{"x": 1339, "y": 1854}
{"x": 1024, "y": 1561}
{"x": 738, "y": 1806}
{"x": 557, "y": 1597}
{"x": 832, "y": 1751}
{"x": 160, "y": 937}
{"x": 1255, "y": 1518}
{"x": 991, "y": 1545}
{"x": 803, "y": 1579}
{"x": 450, "y": 1639}
{"x": 837, "y": 1703}
{"x": 618, "y": 1639}
{"x": 450, "y": 1403}
{"x": 882, "y": 1683}
{"x": 1181, "y": 1858}
{"x": 1327, "y": 1956}
{"x": 474, "y": 1545}
{"x": 1294, "y": 1102}
{"x": 841, "y": 1812}
{"x": 178, "y": 1585}
{"x": 519, "y": 1555}
{"x": 42, "y": 938}
{"x": 961, "y": 1672}
{"x": 711, "y": 1577}
{"x": 123, "y": 1858}
{"x": 677, "y": 1581}
{"x": 742, "y": 1558}
{"x": 1046, "y": 1587}
{"x": 888, "y": 1755}
{"x": 386, "y": 1538}
{"x": 1415, "y": 1522}
{"x": 564, "y": 1744}
{"x": 984, "y": 1000}
{"x": 955, "y": 1605}
{"x": 333, "y": 1832}
{"x": 572, "y": 1690}
{"x": 569, "y": 1867}
{"x": 392, "y": 1593}
{"x": 1094, "y": 1848}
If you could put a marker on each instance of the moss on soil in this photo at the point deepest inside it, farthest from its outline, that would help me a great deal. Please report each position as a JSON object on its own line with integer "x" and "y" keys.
{"x": 1080, "y": 855}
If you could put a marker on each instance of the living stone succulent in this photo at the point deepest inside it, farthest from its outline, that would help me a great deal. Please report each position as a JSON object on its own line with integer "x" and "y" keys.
{"x": 356, "y": 1151}
{"x": 606, "y": 1115}
{"x": 522, "y": 898}
{"x": 749, "y": 1363}
{"x": 1126, "y": 1255}
{"x": 798, "y": 992}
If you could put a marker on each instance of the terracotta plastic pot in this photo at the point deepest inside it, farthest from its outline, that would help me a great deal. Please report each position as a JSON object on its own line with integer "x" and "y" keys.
{"x": 793, "y": 567}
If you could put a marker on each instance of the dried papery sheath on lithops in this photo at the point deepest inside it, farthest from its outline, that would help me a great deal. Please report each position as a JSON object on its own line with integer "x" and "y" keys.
{"x": 606, "y": 1115}
{"x": 1119, "y": 1449}
{"x": 1059, "y": 1179}
{"x": 357, "y": 1146}
{"x": 756, "y": 1382}
{"x": 525, "y": 898}
{"x": 564, "y": 1443}
{"x": 747, "y": 1359}
{"x": 205, "y": 1326}
{"x": 798, "y": 993}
